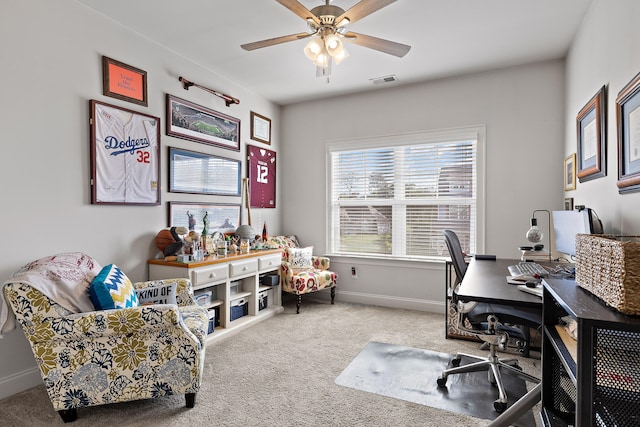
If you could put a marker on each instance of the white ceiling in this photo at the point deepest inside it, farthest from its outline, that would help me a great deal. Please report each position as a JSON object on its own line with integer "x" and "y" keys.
{"x": 448, "y": 37}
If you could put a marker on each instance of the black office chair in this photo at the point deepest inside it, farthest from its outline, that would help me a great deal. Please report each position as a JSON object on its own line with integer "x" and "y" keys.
{"x": 490, "y": 323}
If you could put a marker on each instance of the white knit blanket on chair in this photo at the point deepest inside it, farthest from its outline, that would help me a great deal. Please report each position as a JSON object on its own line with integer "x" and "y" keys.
{"x": 64, "y": 278}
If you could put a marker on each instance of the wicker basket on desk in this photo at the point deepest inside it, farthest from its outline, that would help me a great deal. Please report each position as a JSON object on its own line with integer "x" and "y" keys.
{"x": 609, "y": 267}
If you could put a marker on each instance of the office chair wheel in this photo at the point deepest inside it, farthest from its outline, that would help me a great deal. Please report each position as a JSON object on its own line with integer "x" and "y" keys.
{"x": 499, "y": 406}
{"x": 442, "y": 381}
{"x": 455, "y": 362}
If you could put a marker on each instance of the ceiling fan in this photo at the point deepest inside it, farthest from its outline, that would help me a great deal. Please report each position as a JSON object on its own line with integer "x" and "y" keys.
{"x": 329, "y": 24}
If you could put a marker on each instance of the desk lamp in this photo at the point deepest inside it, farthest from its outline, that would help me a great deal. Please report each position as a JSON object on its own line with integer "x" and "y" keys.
{"x": 535, "y": 235}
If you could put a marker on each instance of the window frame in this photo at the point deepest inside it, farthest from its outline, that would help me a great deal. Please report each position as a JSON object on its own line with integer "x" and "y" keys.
{"x": 477, "y": 132}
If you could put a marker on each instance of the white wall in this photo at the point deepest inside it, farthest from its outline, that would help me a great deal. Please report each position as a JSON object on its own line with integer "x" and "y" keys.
{"x": 522, "y": 109}
{"x": 51, "y": 67}
{"x": 605, "y": 52}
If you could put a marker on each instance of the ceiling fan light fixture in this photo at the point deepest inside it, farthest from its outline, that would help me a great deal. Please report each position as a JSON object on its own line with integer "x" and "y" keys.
{"x": 333, "y": 44}
{"x": 341, "y": 56}
{"x": 327, "y": 26}
{"x": 314, "y": 48}
{"x": 323, "y": 59}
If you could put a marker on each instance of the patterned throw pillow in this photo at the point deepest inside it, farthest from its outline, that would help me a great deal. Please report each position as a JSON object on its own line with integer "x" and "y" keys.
{"x": 300, "y": 257}
{"x": 111, "y": 288}
{"x": 165, "y": 294}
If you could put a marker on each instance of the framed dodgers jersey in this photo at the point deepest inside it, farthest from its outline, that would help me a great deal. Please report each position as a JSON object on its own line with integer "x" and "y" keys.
{"x": 125, "y": 156}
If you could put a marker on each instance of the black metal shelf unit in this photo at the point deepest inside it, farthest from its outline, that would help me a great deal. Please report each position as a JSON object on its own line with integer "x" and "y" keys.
{"x": 594, "y": 380}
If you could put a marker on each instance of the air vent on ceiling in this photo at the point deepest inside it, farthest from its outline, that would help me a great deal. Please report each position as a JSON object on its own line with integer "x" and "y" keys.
{"x": 385, "y": 79}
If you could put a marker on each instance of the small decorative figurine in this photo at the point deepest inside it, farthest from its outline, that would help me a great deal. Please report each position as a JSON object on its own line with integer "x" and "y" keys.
{"x": 192, "y": 221}
{"x": 205, "y": 221}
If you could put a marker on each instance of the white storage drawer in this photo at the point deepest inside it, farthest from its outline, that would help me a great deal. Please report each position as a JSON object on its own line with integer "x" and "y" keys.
{"x": 269, "y": 262}
{"x": 240, "y": 268}
{"x": 209, "y": 274}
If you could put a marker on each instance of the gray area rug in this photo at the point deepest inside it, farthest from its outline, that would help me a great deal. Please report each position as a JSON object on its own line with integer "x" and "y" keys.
{"x": 410, "y": 374}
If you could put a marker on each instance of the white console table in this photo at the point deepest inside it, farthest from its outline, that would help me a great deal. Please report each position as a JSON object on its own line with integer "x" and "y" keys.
{"x": 231, "y": 280}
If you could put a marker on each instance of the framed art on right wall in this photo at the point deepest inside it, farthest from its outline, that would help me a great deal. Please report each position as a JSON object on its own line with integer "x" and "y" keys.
{"x": 568, "y": 203}
{"x": 628, "y": 123}
{"x": 570, "y": 172}
{"x": 592, "y": 138}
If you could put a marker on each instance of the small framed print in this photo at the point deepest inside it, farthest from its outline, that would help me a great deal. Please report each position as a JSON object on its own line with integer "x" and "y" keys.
{"x": 568, "y": 203}
{"x": 570, "y": 172}
{"x": 123, "y": 81}
{"x": 628, "y": 123}
{"x": 260, "y": 128}
{"x": 125, "y": 156}
{"x": 592, "y": 138}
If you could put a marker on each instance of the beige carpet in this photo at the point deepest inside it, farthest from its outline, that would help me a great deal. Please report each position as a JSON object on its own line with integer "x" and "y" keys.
{"x": 281, "y": 372}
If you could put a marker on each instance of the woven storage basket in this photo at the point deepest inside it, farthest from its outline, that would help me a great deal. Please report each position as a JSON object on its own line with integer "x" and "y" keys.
{"x": 609, "y": 267}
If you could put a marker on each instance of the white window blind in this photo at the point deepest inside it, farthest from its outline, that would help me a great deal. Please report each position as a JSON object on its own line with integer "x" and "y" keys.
{"x": 393, "y": 196}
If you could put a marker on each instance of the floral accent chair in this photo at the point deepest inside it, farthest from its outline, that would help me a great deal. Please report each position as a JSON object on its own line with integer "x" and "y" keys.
{"x": 301, "y": 272}
{"x": 116, "y": 355}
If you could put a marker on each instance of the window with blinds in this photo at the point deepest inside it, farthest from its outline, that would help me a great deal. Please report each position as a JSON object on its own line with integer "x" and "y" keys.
{"x": 393, "y": 196}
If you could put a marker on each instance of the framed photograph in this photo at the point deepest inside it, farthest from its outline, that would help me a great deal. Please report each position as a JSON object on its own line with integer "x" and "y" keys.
{"x": 123, "y": 81}
{"x": 125, "y": 156}
{"x": 262, "y": 177}
{"x": 570, "y": 172}
{"x": 197, "y": 123}
{"x": 221, "y": 217}
{"x": 628, "y": 123}
{"x": 200, "y": 173}
{"x": 568, "y": 204}
{"x": 260, "y": 128}
{"x": 592, "y": 138}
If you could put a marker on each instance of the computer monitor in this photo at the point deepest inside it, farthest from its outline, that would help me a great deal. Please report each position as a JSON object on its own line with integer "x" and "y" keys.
{"x": 566, "y": 224}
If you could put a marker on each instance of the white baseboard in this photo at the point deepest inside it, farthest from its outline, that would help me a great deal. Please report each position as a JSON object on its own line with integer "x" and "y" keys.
{"x": 19, "y": 381}
{"x": 383, "y": 301}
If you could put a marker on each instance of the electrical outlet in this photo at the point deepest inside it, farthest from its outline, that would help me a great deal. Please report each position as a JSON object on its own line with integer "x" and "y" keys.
{"x": 354, "y": 273}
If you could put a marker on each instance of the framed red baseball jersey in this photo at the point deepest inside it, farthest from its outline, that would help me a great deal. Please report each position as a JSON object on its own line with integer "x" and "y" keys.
{"x": 262, "y": 177}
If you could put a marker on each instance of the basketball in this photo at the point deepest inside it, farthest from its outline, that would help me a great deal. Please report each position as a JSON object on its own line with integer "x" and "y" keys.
{"x": 164, "y": 239}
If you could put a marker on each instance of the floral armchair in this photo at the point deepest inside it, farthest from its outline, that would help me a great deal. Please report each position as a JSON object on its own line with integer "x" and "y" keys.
{"x": 100, "y": 357}
{"x": 301, "y": 272}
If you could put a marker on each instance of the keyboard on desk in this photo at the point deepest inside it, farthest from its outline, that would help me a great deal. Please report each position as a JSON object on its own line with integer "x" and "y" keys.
{"x": 527, "y": 269}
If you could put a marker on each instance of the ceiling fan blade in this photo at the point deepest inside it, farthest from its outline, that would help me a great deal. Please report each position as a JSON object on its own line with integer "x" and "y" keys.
{"x": 382, "y": 45}
{"x": 362, "y": 9}
{"x": 276, "y": 40}
{"x": 297, "y": 8}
